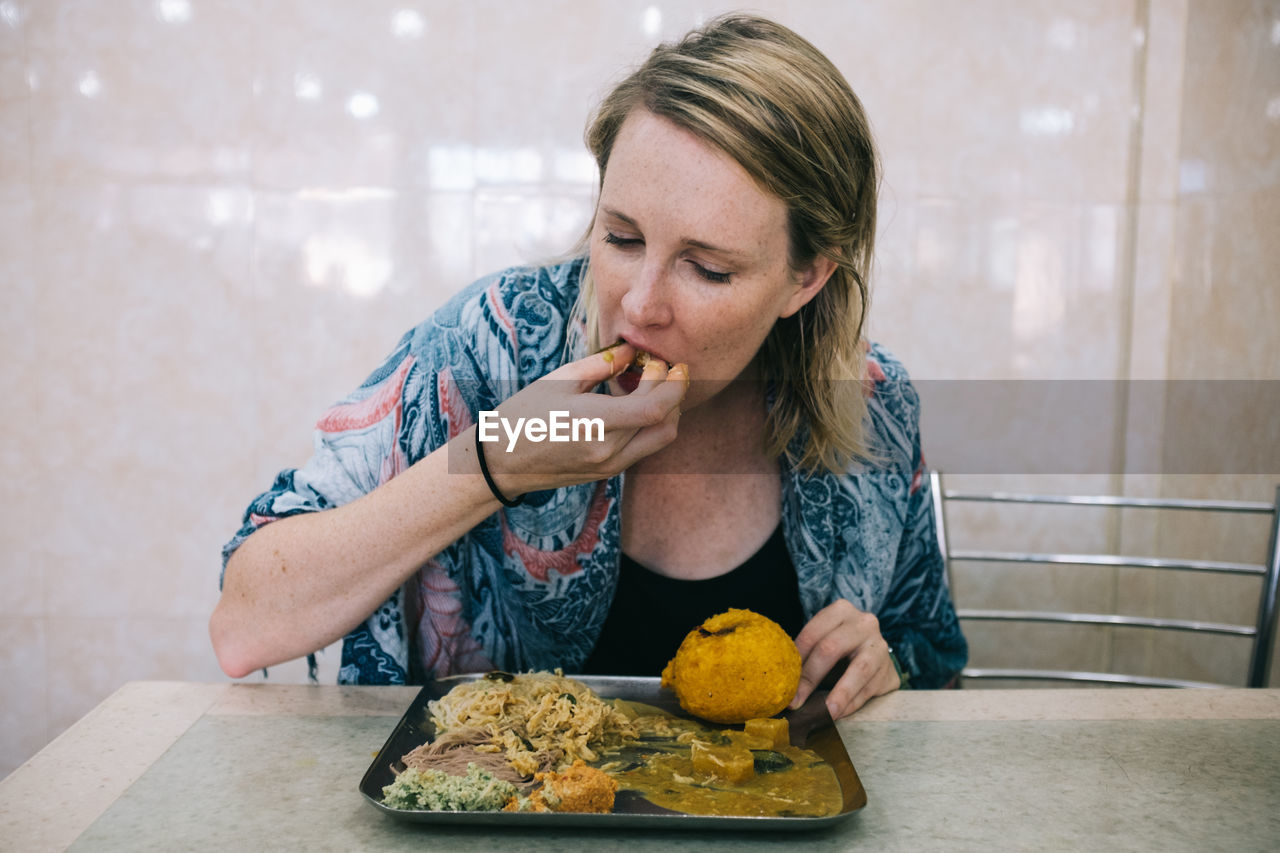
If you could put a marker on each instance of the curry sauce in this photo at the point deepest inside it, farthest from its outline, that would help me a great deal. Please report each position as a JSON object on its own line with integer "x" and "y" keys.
{"x": 784, "y": 781}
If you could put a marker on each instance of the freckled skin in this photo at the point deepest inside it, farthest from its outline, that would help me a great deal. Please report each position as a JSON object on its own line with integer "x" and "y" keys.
{"x": 690, "y": 261}
{"x": 675, "y": 190}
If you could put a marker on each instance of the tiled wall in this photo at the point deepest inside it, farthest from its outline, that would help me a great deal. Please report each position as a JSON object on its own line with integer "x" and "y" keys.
{"x": 215, "y": 218}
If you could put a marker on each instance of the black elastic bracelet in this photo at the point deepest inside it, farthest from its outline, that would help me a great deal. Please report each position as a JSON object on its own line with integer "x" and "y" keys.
{"x": 488, "y": 478}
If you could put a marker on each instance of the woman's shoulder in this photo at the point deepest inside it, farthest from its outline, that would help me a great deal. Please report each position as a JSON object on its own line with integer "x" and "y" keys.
{"x": 519, "y": 294}
{"x": 893, "y": 406}
{"x": 884, "y": 364}
{"x": 519, "y": 315}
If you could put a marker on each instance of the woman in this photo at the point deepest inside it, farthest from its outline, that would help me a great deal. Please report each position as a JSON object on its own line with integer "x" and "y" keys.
{"x": 732, "y": 240}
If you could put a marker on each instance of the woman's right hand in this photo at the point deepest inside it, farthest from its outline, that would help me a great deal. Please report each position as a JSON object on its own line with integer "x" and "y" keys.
{"x": 635, "y": 424}
{"x": 301, "y": 582}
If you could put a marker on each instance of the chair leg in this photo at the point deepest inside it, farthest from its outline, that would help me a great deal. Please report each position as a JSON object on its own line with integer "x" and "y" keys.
{"x": 1260, "y": 661}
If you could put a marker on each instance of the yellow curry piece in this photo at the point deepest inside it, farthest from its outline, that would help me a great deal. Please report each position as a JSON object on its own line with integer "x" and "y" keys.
{"x": 733, "y": 764}
{"x": 735, "y": 666}
{"x": 770, "y": 733}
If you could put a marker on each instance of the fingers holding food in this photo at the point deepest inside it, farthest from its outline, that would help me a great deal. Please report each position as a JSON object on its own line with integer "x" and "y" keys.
{"x": 558, "y": 431}
{"x": 870, "y": 673}
{"x": 841, "y": 635}
{"x": 587, "y": 373}
{"x": 822, "y": 645}
{"x": 643, "y": 370}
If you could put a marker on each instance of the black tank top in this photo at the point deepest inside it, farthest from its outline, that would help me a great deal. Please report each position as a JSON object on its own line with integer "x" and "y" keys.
{"x": 651, "y": 613}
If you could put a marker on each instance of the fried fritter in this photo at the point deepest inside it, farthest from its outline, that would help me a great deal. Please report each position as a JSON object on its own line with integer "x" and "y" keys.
{"x": 580, "y": 788}
{"x": 734, "y": 666}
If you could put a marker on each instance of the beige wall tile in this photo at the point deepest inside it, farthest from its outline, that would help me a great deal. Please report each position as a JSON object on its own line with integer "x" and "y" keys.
{"x": 1225, "y": 298}
{"x": 141, "y": 92}
{"x": 24, "y": 713}
{"x": 1165, "y": 44}
{"x": 1032, "y": 103}
{"x": 142, "y": 395}
{"x": 868, "y": 43}
{"x": 1230, "y": 203}
{"x": 23, "y": 489}
{"x": 359, "y": 95}
{"x": 13, "y": 49}
{"x": 15, "y": 142}
{"x": 513, "y": 228}
{"x": 1032, "y": 290}
{"x": 1149, "y": 336}
{"x": 1231, "y": 122}
{"x": 339, "y": 276}
{"x": 90, "y": 658}
{"x": 532, "y": 94}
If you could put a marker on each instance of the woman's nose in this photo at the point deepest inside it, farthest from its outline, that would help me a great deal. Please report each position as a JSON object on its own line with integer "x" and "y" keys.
{"x": 647, "y": 300}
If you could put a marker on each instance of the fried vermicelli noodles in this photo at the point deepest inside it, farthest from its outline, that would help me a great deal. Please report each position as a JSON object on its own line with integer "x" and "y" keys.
{"x": 538, "y": 721}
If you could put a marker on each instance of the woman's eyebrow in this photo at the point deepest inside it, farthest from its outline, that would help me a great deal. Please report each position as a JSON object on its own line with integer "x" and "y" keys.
{"x": 617, "y": 214}
{"x": 720, "y": 250}
{"x": 686, "y": 241}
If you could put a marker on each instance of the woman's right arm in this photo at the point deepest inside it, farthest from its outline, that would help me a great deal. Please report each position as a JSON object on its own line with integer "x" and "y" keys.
{"x": 301, "y": 582}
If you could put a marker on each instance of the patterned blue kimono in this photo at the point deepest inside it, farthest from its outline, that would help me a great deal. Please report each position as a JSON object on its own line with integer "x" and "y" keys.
{"x": 529, "y": 588}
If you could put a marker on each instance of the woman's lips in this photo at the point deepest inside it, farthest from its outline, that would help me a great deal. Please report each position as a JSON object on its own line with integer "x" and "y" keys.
{"x": 643, "y": 351}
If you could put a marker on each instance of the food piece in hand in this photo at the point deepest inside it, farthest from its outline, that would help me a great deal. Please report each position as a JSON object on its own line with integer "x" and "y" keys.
{"x": 629, "y": 379}
{"x": 735, "y": 666}
{"x": 767, "y": 733}
{"x": 641, "y": 358}
{"x": 733, "y": 764}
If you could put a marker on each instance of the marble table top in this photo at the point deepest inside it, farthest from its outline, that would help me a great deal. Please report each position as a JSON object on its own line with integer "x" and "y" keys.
{"x": 172, "y": 766}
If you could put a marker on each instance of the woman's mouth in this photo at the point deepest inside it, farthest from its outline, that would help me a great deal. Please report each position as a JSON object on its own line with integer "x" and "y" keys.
{"x": 629, "y": 379}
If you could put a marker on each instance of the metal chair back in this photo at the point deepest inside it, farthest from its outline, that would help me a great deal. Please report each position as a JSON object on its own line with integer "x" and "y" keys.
{"x": 1261, "y": 632}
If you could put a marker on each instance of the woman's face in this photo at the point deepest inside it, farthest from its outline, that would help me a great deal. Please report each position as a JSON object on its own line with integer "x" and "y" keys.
{"x": 689, "y": 255}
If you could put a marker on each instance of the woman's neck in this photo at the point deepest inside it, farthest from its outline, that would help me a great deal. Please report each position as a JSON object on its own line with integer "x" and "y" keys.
{"x": 724, "y": 434}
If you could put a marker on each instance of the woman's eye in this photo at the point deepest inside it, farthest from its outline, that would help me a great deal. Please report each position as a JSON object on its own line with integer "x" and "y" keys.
{"x": 614, "y": 239}
{"x": 711, "y": 275}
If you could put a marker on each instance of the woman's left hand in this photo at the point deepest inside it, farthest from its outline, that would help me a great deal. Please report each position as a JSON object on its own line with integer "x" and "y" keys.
{"x": 841, "y": 633}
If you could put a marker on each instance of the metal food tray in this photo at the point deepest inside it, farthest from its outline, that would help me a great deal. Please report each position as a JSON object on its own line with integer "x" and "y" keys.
{"x": 811, "y": 728}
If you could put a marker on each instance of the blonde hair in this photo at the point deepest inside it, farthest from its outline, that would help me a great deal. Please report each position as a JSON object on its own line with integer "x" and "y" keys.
{"x": 776, "y": 105}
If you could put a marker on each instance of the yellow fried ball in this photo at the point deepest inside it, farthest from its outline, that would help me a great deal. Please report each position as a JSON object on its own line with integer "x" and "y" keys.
{"x": 735, "y": 666}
